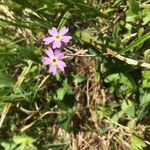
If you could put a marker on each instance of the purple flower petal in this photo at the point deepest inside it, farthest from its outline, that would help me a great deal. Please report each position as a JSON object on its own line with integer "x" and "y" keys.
{"x": 61, "y": 65}
{"x": 53, "y": 69}
{"x": 55, "y": 54}
{"x": 48, "y": 40}
{"x": 63, "y": 31}
{"x": 66, "y": 39}
{"x": 57, "y": 44}
{"x": 49, "y": 52}
{"x": 46, "y": 60}
{"x": 53, "y": 31}
{"x": 58, "y": 54}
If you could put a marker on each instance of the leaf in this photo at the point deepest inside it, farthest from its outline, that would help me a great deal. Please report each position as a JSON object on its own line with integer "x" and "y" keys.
{"x": 137, "y": 143}
{"x": 61, "y": 92}
{"x": 117, "y": 116}
{"x": 20, "y": 139}
{"x": 116, "y": 30}
{"x": 25, "y": 142}
{"x": 146, "y": 80}
{"x": 79, "y": 79}
{"x": 147, "y": 55}
{"x": 68, "y": 103}
{"x": 8, "y": 145}
{"x": 136, "y": 42}
{"x": 121, "y": 78}
{"x": 18, "y": 24}
{"x": 146, "y": 14}
{"x": 146, "y": 83}
{"x": 64, "y": 19}
{"x": 84, "y": 36}
{"x": 130, "y": 16}
{"x": 91, "y": 11}
{"x": 128, "y": 81}
{"x": 145, "y": 99}
{"x": 14, "y": 97}
{"x": 144, "y": 105}
{"x": 112, "y": 78}
{"x": 133, "y": 10}
{"x": 68, "y": 2}
{"x": 146, "y": 74}
{"x": 6, "y": 80}
{"x": 84, "y": 10}
{"x": 87, "y": 38}
{"x": 28, "y": 53}
{"x": 65, "y": 121}
{"x": 134, "y": 6}
{"x": 132, "y": 123}
{"x": 4, "y": 53}
{"x": 128, "y": 108}
{"x": 140, "y": 32}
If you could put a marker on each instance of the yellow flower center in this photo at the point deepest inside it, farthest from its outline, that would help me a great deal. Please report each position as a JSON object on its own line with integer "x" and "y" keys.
{"x": 53, "y": 60}
{"x": 58, "y": 37}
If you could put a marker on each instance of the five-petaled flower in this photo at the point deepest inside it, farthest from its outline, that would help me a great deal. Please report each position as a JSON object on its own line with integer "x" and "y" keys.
{"x": 57, "y": 37}
{"x": 54, "y": 59}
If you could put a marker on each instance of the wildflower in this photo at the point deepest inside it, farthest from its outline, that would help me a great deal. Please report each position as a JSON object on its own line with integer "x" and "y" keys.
{"x": 54, "y": 59}
{"x": 57, "y": 37}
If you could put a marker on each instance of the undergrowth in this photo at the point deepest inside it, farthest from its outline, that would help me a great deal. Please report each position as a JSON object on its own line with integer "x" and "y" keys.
{"x": 101, "y": 101}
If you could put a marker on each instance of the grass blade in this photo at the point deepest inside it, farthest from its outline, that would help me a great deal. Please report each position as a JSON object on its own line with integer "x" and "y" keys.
{"x": 136, "y": 43}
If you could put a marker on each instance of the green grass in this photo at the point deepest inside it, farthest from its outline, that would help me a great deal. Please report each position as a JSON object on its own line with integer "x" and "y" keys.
{"x": 100, "y": 102}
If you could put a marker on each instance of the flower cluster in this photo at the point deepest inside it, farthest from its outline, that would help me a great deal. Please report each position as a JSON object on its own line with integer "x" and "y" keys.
{"x": 54, "y": 56}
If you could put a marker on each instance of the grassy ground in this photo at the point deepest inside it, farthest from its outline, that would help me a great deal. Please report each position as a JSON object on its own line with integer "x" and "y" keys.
{"x": 101, "y": 101}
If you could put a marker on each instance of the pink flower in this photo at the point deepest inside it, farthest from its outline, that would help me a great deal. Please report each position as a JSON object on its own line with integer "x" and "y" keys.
{"x": 54, "y": 59}
{"x": 57, "y": 37}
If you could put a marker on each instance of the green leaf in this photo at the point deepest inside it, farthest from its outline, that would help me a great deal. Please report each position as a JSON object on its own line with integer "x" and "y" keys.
{"x": 8, "y": 145}
{"x": 64, "y": 19}
{"x": 86, "y": 37}
{"x": 145, "y": 99}
{"x": 91, "y": 11}
{"x": 128, "y": 108}
{"x": 84, "y": 8}
{"x": 116, "y": 30}
{"x": 147, "y": 55}
{"x": 18, "y": 24}
{"x": 117, "y": 116}
{"x": 134, "y": 6}
{"x": 14, "y": 97}
{"x": 133, "y": 10}
{"x": 121, "y": 78}
{"x": 27, "y": 52}
{"x": 140, "y": 32}
{"x": 144, "y": 105}
{"x": 137, "y": 143}
{"x": 146, "y": 83}
{"x": 136, "y": 42}
{"x": 68, "y": 103}
{"x": 146, "y": 16}
{"x": 146, "y": 80}
{"x": 6, "y": 80}
{"x": 130, "y": 16}
{"x": 65, "y": 121}
{"x": 146, "y": 74}
{"x": 79, "y": 79}
{"x": 61, "y": 92}
{"x": 20, "y": 139}
{"x": 24, "y": 142}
